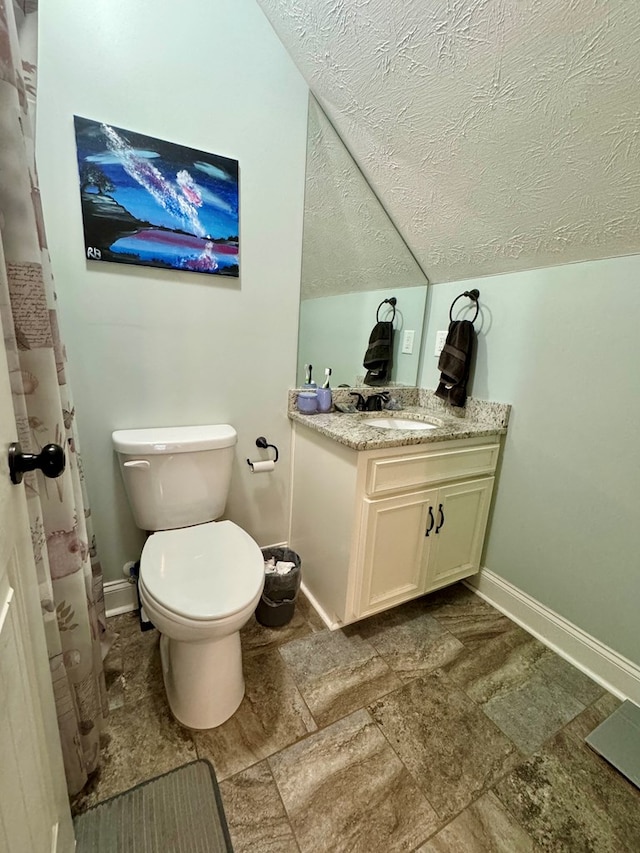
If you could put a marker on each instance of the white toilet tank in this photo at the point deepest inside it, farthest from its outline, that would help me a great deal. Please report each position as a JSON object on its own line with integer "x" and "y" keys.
{"x": 176, "y": 476}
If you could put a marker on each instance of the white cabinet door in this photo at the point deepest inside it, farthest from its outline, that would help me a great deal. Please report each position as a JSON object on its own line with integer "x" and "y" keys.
{"x": 392, "y": 559}
{"x": 461, "y": 512}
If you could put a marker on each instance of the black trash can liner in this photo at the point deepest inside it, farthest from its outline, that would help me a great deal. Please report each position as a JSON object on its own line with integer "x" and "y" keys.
{"x": 278, "y": 601}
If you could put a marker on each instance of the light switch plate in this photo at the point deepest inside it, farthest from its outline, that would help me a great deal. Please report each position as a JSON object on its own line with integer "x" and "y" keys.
{"x": 407, "y": 341}
{"x": 441, "y": 339}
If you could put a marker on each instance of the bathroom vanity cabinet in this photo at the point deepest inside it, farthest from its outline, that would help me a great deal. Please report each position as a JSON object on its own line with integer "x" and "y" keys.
{"x": 376, "y": 528}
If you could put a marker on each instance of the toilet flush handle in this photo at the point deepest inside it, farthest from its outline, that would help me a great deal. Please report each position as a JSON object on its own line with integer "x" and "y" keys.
{"x": 137, "y": 463}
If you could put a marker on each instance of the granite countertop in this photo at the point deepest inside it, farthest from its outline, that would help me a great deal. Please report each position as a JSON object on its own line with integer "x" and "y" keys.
{"x": 480, "y": 418}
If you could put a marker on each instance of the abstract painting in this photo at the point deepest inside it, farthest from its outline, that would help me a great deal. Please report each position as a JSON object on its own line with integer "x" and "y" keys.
{"x": 155, "y": 203}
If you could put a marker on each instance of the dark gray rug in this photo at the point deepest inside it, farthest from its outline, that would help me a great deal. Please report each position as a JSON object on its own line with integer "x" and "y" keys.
{"x": 179, "y": 812}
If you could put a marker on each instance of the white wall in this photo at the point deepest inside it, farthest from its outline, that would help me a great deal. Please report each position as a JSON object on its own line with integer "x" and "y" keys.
{"x": 562, "y": 345}
{"x": 151, "y": 347}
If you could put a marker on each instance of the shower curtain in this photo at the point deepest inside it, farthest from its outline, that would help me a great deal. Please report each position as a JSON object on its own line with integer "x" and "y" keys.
{"x": 69, "y": 574}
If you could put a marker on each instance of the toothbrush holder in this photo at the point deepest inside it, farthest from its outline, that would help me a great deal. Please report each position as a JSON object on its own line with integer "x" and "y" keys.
{"x": 307, "y": 402}
{"x": 324, "y": 399}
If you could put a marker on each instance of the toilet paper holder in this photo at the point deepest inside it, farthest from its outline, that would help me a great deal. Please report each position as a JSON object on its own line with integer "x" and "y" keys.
{"x": 262, "y": 442}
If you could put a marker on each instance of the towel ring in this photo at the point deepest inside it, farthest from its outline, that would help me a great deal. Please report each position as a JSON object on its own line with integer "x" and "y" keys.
{"x": 392, "y": 301}
{"x": 474, "y": 295}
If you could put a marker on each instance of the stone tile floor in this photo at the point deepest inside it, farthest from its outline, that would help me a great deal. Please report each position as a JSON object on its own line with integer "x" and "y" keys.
{"x": 436, "y": 727}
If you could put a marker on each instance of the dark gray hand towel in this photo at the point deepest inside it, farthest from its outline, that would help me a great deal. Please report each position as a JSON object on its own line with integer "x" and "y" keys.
{"x": 455, "y": 362}
{"x": 377, "y": 358}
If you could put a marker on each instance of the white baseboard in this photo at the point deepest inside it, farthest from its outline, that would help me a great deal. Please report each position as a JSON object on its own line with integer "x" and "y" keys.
{"x": 331, "y": 625}
{"x": 119, "y": 597}
{"x": 313, "y": 601}
{"x": 614, "y": 672}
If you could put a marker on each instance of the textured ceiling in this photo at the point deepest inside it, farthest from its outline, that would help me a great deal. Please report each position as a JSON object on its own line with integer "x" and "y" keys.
{"x": 500, "y": 134}
{"x": 349, "y": 244}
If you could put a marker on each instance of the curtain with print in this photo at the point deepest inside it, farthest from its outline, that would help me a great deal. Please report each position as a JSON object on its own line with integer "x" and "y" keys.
{"x": 69, "y": 574}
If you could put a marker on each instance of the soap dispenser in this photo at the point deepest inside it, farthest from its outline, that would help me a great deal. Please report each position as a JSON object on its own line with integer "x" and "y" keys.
{"x": 324, "y": 393}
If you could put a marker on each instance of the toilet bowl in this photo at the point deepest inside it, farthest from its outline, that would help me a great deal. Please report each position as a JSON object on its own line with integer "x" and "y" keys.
{"x": 199, "y": 585}
{"x": 200, "y": 580}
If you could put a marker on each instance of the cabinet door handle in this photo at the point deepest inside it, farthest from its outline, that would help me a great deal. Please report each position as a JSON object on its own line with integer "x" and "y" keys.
{"x": 432, "y": 520}
{"x": 441, "y": 522}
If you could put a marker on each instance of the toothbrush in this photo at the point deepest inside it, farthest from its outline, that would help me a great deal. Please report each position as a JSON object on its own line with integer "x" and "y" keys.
{"x": 327, "y": 374}
{"x": 309, "y": 382}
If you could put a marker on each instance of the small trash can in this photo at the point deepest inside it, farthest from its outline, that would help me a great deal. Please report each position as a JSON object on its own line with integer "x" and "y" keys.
{"x": 278, "y": 600}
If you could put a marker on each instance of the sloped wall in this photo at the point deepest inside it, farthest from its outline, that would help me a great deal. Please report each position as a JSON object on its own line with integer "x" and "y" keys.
{"x": 500, "y": 134}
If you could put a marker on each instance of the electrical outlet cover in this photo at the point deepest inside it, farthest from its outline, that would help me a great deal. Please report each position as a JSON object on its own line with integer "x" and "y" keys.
{"x": 407, "y": 341}
{"x": 441, "y": 339}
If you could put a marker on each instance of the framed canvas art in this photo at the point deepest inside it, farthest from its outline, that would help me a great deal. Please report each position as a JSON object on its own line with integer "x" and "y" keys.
{"x": 150, "y": 202}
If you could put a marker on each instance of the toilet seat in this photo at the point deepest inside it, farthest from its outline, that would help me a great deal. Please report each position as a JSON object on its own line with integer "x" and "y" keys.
{"x": 202, "y": 573}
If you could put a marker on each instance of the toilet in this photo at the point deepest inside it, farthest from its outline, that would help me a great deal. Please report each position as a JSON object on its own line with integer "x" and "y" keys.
{"x": 200, "y": 579}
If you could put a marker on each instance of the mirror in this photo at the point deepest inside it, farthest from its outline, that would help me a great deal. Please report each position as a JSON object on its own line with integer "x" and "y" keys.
{"x": 353, "y": 258}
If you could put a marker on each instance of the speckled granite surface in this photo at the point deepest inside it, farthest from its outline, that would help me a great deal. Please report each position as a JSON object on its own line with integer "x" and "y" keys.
{"x": 476, "y": 411}
{"x": 479, "y": 418}
{"x": 404, "y": 395}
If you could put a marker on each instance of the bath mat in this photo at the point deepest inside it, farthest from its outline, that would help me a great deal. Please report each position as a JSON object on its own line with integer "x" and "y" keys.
{"x": 179, "y": 812}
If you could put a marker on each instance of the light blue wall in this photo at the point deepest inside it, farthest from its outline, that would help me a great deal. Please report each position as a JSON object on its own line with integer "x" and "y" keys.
{"x": 562, "y": 345}
{"x": 151, "y": 347}
{"x": 334, "y": 332}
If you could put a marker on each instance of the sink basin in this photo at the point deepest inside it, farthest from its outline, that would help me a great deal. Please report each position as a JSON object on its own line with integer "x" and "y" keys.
{"x": 397, "y": 423}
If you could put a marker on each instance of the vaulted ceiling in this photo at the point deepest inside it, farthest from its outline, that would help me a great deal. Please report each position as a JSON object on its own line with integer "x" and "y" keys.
{"x": 500, "y": 134}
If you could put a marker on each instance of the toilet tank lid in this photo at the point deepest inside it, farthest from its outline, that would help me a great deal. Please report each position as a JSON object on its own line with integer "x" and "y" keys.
{"x": 185, "y": 439}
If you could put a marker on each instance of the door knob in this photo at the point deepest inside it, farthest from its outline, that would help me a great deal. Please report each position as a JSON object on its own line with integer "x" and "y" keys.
{"x": 50, "y": 461}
